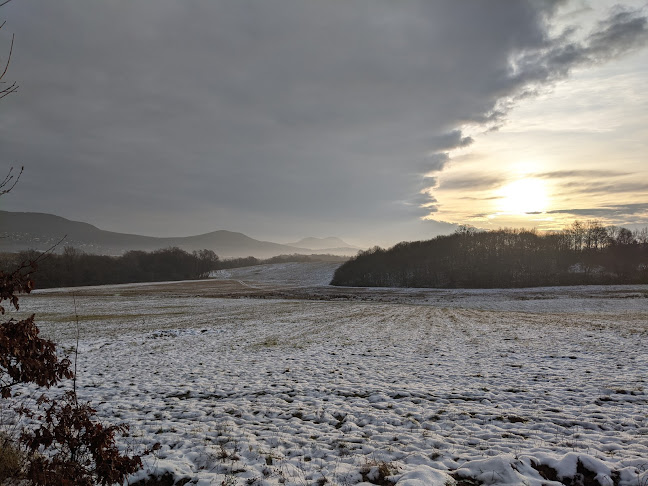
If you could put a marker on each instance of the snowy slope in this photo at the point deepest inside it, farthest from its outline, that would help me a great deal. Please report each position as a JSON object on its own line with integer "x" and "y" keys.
{"x": 297, "y": 274}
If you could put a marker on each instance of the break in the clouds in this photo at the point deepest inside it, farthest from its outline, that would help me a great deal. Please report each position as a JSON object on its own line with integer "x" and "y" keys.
{"x": 273, "y": 117}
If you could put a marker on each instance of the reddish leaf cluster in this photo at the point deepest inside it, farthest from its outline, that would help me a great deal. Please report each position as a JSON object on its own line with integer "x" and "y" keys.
{"x": 65, "y": 446}
{"x": 17, "y": 282}
{"x": 27, "y": 358}
{"x": 85, "y": 451}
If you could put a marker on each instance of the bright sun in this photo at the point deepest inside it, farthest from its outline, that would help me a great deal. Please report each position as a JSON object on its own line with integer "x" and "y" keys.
{"x": 523, "y": 196}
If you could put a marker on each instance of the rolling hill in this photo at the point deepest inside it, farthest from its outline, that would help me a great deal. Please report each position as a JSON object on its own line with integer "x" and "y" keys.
{"x": 40, "y": 231}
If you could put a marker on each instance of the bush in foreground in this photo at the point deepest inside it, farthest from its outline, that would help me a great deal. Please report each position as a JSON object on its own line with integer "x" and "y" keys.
{"x": 64, "y": 444}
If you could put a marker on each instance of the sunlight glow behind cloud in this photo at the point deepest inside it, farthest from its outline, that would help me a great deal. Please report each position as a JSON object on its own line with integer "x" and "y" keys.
{"x": 523, "y": 196}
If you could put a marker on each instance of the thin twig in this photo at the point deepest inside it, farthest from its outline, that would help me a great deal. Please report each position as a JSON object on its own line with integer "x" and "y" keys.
{"x": 8, "y": 179}
{"x": 9, "y": 58}
{"x": 49, "y": 251}
{"x": 32, "y": 263}
{"x": 76, "y": 348}
{"x": 7, "y": 91}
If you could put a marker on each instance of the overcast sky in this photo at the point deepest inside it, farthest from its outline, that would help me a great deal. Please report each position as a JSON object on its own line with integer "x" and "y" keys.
{"x": 373, "y": 120}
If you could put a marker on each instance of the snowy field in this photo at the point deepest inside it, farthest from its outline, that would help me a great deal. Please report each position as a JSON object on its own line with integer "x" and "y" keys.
{"x": 283, "y": 274}
{"x": 352, "y": 386}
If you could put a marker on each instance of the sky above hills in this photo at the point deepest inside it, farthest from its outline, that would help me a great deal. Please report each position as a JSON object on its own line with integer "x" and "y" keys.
{"x": 373, "y": 120}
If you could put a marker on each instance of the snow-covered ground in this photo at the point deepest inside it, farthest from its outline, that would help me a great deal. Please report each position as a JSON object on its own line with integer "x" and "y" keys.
{"x": 477, "y": 384}
{"x": 290, "y": 274}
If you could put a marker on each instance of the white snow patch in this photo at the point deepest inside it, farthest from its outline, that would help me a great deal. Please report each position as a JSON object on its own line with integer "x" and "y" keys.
{"x": 297, "y": 392}
{"x": 292, "y": 274}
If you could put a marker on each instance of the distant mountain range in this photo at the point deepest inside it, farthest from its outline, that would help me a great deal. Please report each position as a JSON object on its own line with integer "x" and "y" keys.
{"x": 40, "y": 231}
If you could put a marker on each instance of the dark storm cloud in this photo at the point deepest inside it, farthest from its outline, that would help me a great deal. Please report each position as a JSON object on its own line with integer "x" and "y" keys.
{"x": 172, "y": 117}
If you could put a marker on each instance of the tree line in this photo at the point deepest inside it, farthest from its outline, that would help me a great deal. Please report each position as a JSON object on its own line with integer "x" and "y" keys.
{"x": 584, "y": 253}
{"x": 73, "y": 268}
{"x": 251, "y": 261}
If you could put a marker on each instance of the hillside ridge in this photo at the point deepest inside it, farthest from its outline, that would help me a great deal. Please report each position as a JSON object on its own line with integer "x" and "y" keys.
{"x": 40, "y": 231}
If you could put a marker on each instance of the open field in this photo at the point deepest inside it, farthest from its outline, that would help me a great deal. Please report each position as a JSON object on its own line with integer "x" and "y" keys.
{"x": 258, "y": 378}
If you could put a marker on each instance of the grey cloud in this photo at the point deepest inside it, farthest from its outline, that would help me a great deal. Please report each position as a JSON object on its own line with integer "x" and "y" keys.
{"x": 624, "y": 30}
{"x": 431, "y": 181}
{"x": 428, "y": 210}
{"x": 490, "y": 198}
{"x": 435, "y": 162}
{"x": 583, "y": 174}
{"x": 577, "y": 11}
{"x": 192, "y": 116}
{"x": 474, "y": 182}
{"x": 606, "y": 188}
{"x": 424, "y": 198}
{"x": 424, "y": 203}
{"x": 614, "y": 211}
{"x": 450, "y": 140}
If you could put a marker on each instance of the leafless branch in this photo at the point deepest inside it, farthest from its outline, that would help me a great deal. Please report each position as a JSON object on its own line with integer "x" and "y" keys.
{"x": 8, "y": 178}
{"x": 8, "y": 90}
{"x": 76, "y": 348}
{"x": 8, "y": 58}
{"x": 31, "y": 264}
{"x": 49, "y": 251}
{"x": 13, "y": 87}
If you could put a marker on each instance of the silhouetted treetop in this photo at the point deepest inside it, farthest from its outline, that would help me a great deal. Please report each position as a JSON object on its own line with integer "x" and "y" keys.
{"x": 583, "y": 253}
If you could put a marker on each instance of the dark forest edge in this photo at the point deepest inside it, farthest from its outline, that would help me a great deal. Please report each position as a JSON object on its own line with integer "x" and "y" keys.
{"x": 74, "y": 268}
{"x": 583, "y": 254}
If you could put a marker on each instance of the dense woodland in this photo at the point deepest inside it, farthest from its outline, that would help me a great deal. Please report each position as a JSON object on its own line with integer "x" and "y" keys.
{"x": 584, "y": 253}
